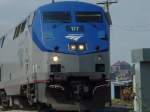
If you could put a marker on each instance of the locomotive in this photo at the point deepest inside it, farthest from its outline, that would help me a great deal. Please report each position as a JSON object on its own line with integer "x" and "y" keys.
{"x": 59, "y": 57}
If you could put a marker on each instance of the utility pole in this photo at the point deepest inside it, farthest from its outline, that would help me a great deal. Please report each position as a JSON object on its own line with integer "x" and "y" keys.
{"x": 108, "y": 3}
{"x": 53, "y": 1}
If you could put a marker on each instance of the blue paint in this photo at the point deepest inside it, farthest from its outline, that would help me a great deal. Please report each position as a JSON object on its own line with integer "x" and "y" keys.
{"x": 49, "y": 35}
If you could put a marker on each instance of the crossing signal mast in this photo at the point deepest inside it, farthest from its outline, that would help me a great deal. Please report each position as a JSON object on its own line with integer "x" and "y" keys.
{"x": 107, "y": 3}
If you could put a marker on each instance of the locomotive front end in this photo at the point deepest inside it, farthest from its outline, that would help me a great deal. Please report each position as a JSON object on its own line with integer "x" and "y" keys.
{"x": 75, "y": 36}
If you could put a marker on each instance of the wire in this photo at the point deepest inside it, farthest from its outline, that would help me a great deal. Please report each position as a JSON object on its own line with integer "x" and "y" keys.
{"x": 135, "y": 28}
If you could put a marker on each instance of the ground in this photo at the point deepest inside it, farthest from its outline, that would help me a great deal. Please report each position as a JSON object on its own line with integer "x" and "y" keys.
{"x": 19, "y": 111}
{"x": 115, "y": 109}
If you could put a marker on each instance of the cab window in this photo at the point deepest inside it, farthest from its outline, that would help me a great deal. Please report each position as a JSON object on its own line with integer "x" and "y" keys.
{"x": 19, "y": 29}
{"x": 56, "y": 17}
{"x": 2, "y": 41}
{"x": 93, "y": 17}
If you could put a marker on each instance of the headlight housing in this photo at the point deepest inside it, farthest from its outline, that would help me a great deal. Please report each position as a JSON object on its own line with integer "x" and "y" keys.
{"x": 77, "y": 47}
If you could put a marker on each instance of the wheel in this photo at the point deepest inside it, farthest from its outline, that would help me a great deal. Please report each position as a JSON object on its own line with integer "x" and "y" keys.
{"x": 28, "y": 94}
{"x": 24, "y": 102}
{"x": 31, "y": 99}
{"x": 31, "y": 95}
{"x": 4, "y": 100}
{"x": 0, "y": 101}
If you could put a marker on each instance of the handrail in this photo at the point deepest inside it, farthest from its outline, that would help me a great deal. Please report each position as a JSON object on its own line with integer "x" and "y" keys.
{"x": 104, "y": 85}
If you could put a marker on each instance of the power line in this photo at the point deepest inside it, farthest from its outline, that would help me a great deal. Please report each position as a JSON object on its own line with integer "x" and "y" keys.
{"x": 135, "y": 28}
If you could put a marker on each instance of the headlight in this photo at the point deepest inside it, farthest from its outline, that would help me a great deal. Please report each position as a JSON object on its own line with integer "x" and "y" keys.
{"x": 55, "y": 58}
{"x": 77, "y": 47}
{"x": 82, "y": 47}
{"x": 73, "y": 47}
{"x": 99, "y": 58}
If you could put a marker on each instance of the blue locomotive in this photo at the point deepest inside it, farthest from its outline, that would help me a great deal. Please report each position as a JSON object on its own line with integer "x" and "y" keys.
{"x": 60, "y": 58}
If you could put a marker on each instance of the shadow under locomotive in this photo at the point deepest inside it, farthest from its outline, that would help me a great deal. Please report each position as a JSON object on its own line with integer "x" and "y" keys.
{"x": 79, "y": 90}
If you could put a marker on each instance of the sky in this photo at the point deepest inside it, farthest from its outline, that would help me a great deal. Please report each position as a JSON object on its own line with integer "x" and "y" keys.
{"x": 130, "y": 29}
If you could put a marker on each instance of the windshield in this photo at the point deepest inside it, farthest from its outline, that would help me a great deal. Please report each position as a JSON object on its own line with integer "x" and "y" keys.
{"x": 56, "y": 17}
{"x": 94, "y": 17}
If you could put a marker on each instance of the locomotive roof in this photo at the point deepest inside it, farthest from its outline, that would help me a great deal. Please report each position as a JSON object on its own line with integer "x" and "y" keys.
{"x": 70, "y": 4}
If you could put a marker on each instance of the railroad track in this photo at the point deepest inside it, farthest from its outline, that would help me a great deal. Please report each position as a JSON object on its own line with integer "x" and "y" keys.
{"x": 102, "y": 110}
{"x": 17, "y": 110}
